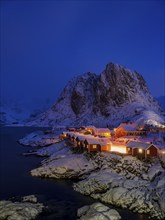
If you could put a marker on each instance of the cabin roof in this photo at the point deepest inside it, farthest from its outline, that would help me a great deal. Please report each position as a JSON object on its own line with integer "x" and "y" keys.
{"x": 90, "y": 138}
{"x": 128, "y": 127}
{"x": 102, "y": 130}
{"x": 97, "y": 140}
{"x": 135, "y": 144}
{"x": 90, "y": 127}
{"x": 81, "y": 137}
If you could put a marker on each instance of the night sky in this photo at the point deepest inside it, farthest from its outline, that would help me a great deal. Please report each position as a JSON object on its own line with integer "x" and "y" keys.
{"x": 45, "y": 43}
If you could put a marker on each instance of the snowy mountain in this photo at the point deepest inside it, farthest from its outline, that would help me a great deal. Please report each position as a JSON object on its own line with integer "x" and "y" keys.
{"x": 116, "y": 95}
{"x": 17, "y": 112}
{"x": 12, "y": 114}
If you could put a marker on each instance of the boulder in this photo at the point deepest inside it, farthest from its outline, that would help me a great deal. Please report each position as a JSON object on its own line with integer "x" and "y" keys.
{"x": 97, "y": 211}
{"x": 154, "y": 171}
{"x": 24, "y": 210}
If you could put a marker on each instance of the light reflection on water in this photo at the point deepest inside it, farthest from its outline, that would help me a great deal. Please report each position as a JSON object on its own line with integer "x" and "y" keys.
{"x": 58, "y": 195}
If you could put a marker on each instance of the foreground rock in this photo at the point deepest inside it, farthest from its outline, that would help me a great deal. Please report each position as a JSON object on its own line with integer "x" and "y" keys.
{"x": 39, "y": 138}
{"x": 97, "y": 211}
{"x": 27, "y": 209}
{"x": 121, "y": 181}
{"x": 65, "y": 166}
{"x": 128, "y": 183}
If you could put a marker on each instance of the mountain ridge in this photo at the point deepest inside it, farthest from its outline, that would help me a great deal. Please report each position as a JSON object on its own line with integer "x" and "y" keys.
{"x": 117, "y": 94}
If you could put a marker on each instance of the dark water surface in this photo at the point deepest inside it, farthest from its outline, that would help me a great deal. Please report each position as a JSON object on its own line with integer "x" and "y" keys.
{"x": 58, "y": 195}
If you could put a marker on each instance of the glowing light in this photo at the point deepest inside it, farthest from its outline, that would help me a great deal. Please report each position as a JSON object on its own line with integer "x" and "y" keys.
{"x": 140, "y": 150}
{"x": 107, "y": 134}
{"x": 148, "y": 151}
{"x": 120, "y": 149}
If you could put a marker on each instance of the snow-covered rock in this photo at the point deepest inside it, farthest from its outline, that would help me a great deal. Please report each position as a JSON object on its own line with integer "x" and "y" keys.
{"x": 30, "y": 198}
{"x": 115, "y": 185}
{"x": 154, "y": 171}
{"x": 66, "y": 167}
{"x": 121, "y": 181}
{"x": 116, "y": 95}
{"x": 98, "y": 182}
{"x": 97, "y": 211}
{"x": 161, "y": 182}
{"x": 57, "y": 150}
{"x": 39, "y": 138}
{"x": 24, "y": 210}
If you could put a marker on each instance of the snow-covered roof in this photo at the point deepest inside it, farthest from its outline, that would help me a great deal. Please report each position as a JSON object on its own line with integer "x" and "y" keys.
{"x": 97, "y": 140}
{"x": 90, "y": 127}
{"x": 75, "y": 135}
{"x": 90, "y": 138}
{"x": 102, "y": 130}
{"x": 135, "y": 144}
{"x": 81, "y": 137}
{"x": 128, "y": 127}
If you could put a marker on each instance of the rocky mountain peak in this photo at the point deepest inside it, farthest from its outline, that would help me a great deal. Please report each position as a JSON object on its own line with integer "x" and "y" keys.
{"x": 110, "y": 97}
{"x": 113, "y": 67}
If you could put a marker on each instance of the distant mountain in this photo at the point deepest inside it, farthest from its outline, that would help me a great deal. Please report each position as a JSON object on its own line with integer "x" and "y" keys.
{"x": 161, "y": 100}
{"x": 12, "y": 114}
{"x": 116, "y": 95}
{"x": 17, "y": 112}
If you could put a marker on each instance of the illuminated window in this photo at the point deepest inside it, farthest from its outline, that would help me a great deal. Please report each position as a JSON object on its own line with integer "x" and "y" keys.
{"x": 106, "y": 134}
{"x": 140, "y": 150}
{"x": 128, "y": 149}
{"x": 94, "y": 146}
{"x": 148, "y": 151}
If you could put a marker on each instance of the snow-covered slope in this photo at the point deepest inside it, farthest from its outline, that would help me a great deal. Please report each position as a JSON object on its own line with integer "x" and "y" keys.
{"x": 116, "y": 95}
{"x": 18, "y": 112}
{"x": 12, "y": 115}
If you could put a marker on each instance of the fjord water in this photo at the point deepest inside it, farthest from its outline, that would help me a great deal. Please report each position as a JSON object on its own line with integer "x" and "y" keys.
{"x": 58, "y": 195}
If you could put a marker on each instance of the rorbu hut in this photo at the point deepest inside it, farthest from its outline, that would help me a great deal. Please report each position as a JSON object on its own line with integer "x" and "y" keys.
{"x": 142, "y": 150}
{"x": 96, "y": 144}
{"x": 128, "y": 129}
{"x": 103, "y": 132}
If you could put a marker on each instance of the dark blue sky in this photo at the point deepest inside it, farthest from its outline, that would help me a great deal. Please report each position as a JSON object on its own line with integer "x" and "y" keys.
{"x": 46, "y": 43}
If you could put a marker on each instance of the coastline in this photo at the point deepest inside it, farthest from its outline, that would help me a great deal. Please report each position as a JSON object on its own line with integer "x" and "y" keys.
{"x": 121, "y": 181}
{"x": 46, "y": 182}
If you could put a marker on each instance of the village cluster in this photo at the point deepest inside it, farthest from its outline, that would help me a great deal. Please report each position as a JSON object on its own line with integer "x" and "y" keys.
{"x": 126, "y": 139}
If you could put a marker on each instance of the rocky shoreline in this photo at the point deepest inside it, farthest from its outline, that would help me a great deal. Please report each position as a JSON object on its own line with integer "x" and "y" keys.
{"x": 26, "y": 209}
{"x": 120, "y": 181}
{"x": 97, "y": 211}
